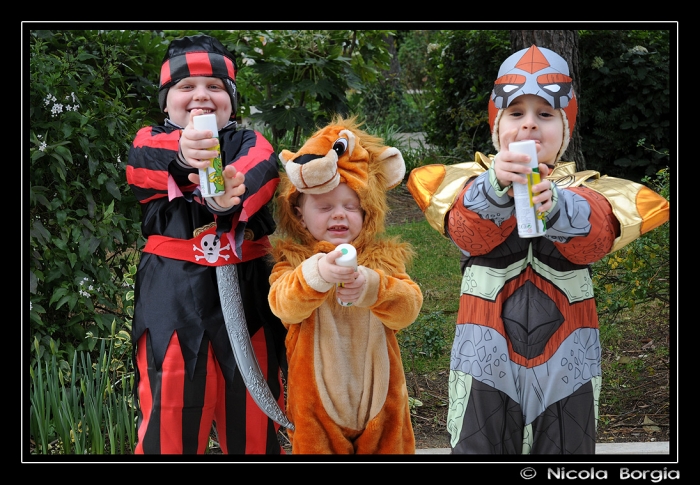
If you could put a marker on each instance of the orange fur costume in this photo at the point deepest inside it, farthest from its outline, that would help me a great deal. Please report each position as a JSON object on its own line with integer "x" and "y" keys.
{"x": 346, "y": 386}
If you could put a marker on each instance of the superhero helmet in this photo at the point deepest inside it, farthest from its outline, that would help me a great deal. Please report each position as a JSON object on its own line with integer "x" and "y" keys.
{"x": 537, "y": 71}
{"x": 198, "y": 55}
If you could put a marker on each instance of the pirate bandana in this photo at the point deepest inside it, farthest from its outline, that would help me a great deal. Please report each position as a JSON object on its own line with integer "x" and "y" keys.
{"x": 197, "y": 55}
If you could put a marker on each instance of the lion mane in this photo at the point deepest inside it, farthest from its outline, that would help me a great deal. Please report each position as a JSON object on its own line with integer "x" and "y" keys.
{"x": 366, "y": 164}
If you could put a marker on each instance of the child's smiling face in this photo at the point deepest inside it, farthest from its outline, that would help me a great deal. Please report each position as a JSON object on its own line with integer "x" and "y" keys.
{"x": 200, "y": 92}
{"x": 334, "y": 216}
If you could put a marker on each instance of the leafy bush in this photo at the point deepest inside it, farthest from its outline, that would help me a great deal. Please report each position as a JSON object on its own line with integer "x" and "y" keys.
{"x": 384, "y": 104}
{"x": 639, "y": 272}
{"x": 298, "y": 79}
{"x": 464, "y": 64}
{"x": 413, "y": 56}
{"x": 625, "y": 97}
{"x": 88, "y": 96}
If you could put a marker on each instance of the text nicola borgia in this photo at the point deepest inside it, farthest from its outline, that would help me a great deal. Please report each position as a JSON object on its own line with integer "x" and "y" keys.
{"x": 655, "y": 476}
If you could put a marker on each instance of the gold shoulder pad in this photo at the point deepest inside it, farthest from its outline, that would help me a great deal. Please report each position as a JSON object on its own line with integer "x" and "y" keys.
{"x": 435, "y": 187}
{"x": 637, "y": 208}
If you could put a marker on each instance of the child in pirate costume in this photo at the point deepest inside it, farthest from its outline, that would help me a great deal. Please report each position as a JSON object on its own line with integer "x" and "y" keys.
{"x": 346, "y": 389}
{"x": 525, "y": 368}
{"x": 186, "y": 370}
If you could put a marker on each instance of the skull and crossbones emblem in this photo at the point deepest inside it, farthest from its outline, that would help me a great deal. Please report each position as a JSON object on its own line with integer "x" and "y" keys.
{"x": 211, "y": 249}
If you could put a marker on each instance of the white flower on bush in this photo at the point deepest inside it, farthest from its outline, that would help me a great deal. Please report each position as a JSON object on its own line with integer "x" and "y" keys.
{"x": 638, "y": 49}
{"x": 56, "y": 109}
{"x": 90, "y": 289}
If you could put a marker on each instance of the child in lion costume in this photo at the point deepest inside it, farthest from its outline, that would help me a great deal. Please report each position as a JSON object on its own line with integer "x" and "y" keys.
{"x": 346, "y": 386}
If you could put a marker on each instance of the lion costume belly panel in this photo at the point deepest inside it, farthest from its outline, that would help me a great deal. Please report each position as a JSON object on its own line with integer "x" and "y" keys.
{"x": 351, "y": 365}
{"x": 341, "y": 412}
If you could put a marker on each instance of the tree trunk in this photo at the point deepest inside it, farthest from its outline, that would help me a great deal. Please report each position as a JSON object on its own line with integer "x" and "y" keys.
{"x": 564, "y": 43}
{"x": 393, "y": 74}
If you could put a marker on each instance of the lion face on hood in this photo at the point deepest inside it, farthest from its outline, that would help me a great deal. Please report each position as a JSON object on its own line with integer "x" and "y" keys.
{"x": 340, "y": 153}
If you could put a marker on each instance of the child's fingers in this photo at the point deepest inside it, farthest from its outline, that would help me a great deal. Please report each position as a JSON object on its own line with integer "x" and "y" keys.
{"x": 508, "y": 137}
{"x": 191, "y": 133}
{"x": 332, "y": 256}
{"x": 233, "y": 177}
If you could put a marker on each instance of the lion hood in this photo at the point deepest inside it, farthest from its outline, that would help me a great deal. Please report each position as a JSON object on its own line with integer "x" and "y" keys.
{"x": 338, "y": 153}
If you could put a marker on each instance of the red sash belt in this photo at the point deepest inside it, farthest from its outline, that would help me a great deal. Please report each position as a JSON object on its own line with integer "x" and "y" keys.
{"x": 205, "y": 250}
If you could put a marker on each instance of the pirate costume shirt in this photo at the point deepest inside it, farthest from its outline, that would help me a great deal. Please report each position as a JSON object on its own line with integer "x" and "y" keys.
{"x": 186, "y": 371}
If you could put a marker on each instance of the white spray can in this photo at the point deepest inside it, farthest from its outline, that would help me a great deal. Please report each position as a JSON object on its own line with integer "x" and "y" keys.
{"x": 531, "y": 223}
{"x": 211, "y": 179}
{"x": 349, "y": 259}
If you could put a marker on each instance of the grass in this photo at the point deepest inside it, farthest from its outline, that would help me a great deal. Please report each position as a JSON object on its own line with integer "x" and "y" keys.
{"x": 425, "y": 345}
{"x": 436, "y": 266}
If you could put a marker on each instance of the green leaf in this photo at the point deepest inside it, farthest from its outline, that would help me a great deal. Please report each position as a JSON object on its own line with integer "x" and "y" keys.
{"x": 36, "y": 155}
{"x": 113, "y": 189}
{"x": 58, "y": 294}
{"x": 39, "y": 232}
{"x": 64, "y": 152}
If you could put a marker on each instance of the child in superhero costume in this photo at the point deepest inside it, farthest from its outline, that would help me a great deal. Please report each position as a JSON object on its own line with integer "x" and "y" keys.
{"x": 525, "y": 364}
{"x": 186, "y": 371}
{"x": 346, "y": 391}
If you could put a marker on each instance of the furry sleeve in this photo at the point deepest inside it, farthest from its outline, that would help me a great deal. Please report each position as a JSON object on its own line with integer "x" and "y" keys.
{"x": 392, "y": 296}
{"x": 296, "y": 292}
{"x": 397, "y": 298}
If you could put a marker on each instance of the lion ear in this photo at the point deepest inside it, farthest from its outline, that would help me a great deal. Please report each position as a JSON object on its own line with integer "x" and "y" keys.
{"x": 285, "y": 156}
{"x": 393, "y": 166}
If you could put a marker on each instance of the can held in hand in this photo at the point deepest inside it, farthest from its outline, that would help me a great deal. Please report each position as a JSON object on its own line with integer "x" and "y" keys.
{"x": 211, "y": 179}
{"x": 531, "y": 223}
{"x": 349, "y": 259}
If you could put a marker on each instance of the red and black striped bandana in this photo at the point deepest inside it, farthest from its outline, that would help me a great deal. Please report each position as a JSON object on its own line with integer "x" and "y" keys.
{"x": 197, "y": 55}
{"x": 192, "y": 64}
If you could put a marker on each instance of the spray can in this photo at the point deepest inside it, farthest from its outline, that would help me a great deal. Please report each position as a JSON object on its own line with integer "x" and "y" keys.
{"x": 211, "y": 179}
{"x": 531, "y": 223}
{"x": 349, "y": 259}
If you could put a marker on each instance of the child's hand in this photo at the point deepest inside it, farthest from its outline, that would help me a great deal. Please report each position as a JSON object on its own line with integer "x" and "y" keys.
{"x": 195, "y": 144}
{"x": 511, "y": 166}
{"x": 233, "y": 187}
{"x": 350, "y": 292}
{"x": 333, "y": 273}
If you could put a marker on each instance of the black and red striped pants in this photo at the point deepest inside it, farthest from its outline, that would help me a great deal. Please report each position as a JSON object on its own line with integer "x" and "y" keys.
{"x": 177, "y": 413}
